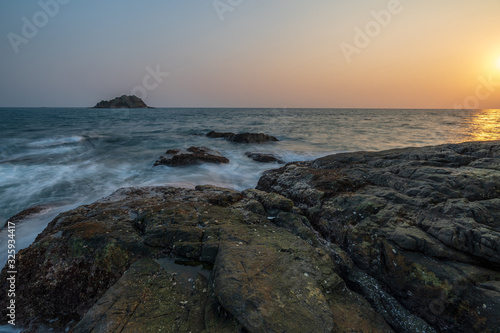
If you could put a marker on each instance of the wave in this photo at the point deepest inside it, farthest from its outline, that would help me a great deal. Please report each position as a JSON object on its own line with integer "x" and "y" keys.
{"x": 84, "y": 156}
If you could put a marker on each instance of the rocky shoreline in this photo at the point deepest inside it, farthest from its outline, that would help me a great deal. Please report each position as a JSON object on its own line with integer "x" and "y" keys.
{"x": 405, "y": 240}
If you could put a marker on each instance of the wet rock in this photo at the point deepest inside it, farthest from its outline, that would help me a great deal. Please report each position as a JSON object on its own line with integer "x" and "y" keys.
{"x": 216, "y": 135}
{"x": 243, "y": 137}
{"x": 404, "y": 240}
{"x": 154, "y": 298}
{"x": 109, "y": 266}
{"x": 29, "y": 213}
{"x": 190, "y": 156}
{"x": 264, "y": 157}
{"x": 423, "y": 222}
{"x": 252, "y": 138}
{"x": 122, "y": 102}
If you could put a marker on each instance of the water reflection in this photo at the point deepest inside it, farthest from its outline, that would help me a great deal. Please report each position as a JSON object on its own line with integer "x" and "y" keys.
{"x": 482, "y": 125}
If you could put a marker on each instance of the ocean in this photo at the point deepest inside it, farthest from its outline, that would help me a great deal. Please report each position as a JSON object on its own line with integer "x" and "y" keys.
{"x": 65, "y": 157}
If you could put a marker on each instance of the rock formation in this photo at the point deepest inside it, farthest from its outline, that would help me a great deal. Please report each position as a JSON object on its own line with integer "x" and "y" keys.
{"x": 264, "y": 157}
{"x": 123, "y": 102}
{"x": 217, "y": 135}
{"x": 243, "y": 137}
{"x": 404, "y": 240}
{"x": 190, "y": 156}
{"x": 423, "y": 222}
{"x": 106, "y": 267}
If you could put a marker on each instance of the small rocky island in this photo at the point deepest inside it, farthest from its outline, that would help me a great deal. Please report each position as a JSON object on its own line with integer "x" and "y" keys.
{"x": 122, "y": 102}
{"x": 406, "y": 240}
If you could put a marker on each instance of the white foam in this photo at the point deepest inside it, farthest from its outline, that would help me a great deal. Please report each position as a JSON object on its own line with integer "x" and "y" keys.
{"x": 27, "y": 229}
{"x": 56, "y": 141}
{"x": 10, "y": 329}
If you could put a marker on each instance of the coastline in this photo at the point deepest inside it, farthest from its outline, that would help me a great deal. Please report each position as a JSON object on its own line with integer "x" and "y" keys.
{"x": 402, "y": 240}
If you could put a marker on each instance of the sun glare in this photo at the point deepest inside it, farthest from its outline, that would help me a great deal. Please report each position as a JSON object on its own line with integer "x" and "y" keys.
{"x": 498, "y": 63}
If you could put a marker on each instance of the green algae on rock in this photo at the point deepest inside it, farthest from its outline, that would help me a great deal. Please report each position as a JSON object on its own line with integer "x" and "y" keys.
{"x": 99, "y": 267}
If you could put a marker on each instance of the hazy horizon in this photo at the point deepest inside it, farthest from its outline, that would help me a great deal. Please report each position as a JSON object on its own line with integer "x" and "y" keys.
{"x": 256, "y": 54}
{"x": 250, "y": 108}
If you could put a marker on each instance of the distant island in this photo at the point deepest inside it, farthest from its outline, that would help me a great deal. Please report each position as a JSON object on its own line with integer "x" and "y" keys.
{"x": 123, "y": 102}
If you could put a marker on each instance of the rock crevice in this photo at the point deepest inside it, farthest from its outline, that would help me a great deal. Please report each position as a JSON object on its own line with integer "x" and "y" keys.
{"x": 421, "y": 221}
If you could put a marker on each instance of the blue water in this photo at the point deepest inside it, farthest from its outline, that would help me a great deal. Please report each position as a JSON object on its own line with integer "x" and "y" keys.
{"x": 66, "y": 157}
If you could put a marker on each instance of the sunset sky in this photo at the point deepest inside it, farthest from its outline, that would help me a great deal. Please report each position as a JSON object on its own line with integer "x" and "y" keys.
{"x": 252, "y": 53}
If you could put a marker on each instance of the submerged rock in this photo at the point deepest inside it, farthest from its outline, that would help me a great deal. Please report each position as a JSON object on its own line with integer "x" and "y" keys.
{"x": 424, "y": 222}
{"x": 216, "y": 135}
{"x": 122, "y": 102}
{"x": 264, "y": 157}
{"x": 243, "y": 137}
{"x": 252, "y": 138}
{"x": 190, "y": 156}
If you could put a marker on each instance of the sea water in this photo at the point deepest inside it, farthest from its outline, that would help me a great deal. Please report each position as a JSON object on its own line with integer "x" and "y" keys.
{"x": 65, "y": 157}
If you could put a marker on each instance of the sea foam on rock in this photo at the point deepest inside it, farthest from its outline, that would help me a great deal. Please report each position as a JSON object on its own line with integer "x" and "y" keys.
{"x": 264, "y": 157}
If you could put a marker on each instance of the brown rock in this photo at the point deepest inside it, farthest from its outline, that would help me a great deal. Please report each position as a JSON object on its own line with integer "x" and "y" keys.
{"x": 264, "y": 157}
{"x": 120, "y": 264}
{"x": 191, "y": 156}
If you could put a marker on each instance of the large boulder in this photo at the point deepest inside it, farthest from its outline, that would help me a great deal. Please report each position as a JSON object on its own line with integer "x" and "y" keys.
{"x": 180, "y": 260}
{"x": 122, "y": 102}
{"x": 424, "y": 222}
{"x": 190, "y": 156}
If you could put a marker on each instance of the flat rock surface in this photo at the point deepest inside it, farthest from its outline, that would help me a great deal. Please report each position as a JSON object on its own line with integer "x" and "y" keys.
{"x": 109, "y": 267}
{"x": 424, "y": 222}
{"x": 190, "y": 156}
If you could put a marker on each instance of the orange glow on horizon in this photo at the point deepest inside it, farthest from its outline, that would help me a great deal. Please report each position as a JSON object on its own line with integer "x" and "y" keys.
{"x": 483, "y": 126}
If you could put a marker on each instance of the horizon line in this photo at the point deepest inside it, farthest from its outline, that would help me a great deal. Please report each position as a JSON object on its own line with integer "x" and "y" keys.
{"x": 243, "y": 107}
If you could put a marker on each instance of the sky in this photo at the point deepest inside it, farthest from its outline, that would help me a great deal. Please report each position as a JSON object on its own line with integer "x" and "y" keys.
{"x": 251, "y": 53}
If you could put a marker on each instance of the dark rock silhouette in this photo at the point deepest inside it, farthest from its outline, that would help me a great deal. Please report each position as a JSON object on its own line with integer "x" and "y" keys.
{"x": 216, "y": 135}
{"x": 123, "y": 102}
{"x": 264, "y": 157}
{"x": 243, "y": 137}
